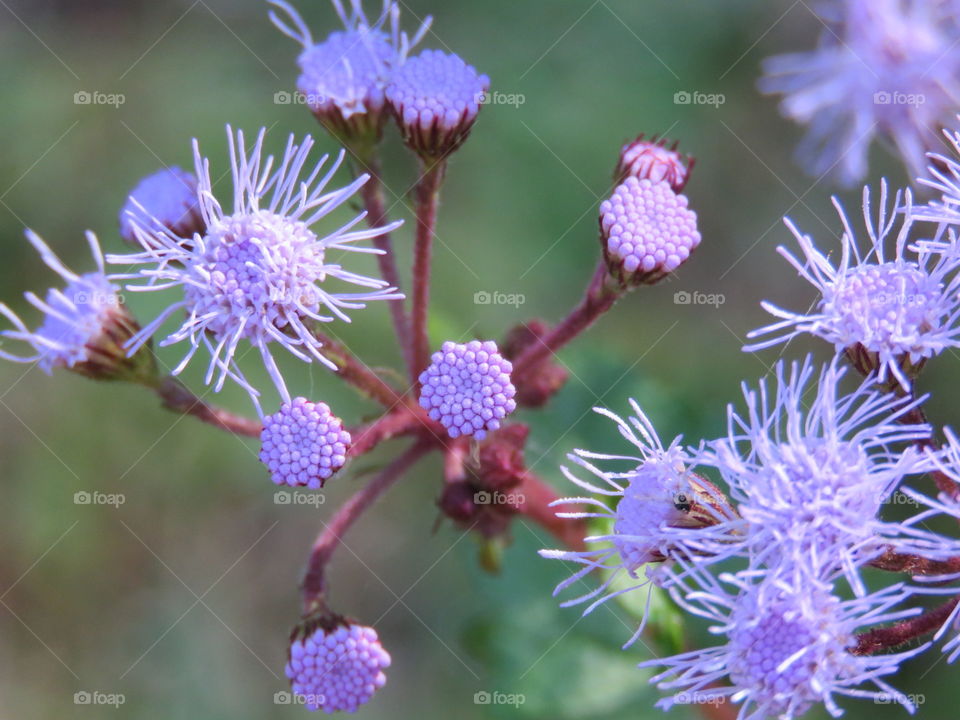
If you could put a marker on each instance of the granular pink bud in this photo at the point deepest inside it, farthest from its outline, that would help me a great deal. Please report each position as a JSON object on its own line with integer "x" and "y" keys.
{"x": 647, "y": 231}
{"x": 436, "y": 98}
{"x": 653, "y": 160}
{"x": 303, "y": 444}
{"x": 467, "y": 388}
{"x": 335, "y": 664}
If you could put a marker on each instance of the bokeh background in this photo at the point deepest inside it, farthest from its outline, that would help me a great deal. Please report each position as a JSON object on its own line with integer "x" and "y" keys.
{"x": 181, "y": 599}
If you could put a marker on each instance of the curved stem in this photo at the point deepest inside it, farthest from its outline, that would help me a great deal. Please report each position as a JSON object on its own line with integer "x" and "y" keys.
{"x": 355, "y": 372}
{"x": 427, "y": 194}
{"x": 178, "y": 398}
{"x": 600, "y": 296}
{"x": 347, "y": 514}
{"x": 886, "y": 638}
{"x": 401, "y": 421}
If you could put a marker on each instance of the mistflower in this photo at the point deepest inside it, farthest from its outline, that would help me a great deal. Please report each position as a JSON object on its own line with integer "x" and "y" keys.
{"x": 884, "y": 68}
{"x": 944, "y": 177}
{"x": 662, "y": 510}
{"x": 789, "y": 645}
{"x": 336, "y": 665}
{"x": 343, "y": 78}
{"x": 467, "y": 388}
{"x": 168, "y": 197}
{"x": 810, "y": 469}
{"x": 85, "y": 325}
{"x": 647, "y": 231}
{"x": 436, "y": 98}
{"x": 260, "y": 274}
{"x": 303, "y": 444}
{"x": 653, "y": 160}
{"x": 888, "y": 315}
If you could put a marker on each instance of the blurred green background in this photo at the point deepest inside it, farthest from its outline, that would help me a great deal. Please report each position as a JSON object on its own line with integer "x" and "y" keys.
{"x": 182, "y": 598}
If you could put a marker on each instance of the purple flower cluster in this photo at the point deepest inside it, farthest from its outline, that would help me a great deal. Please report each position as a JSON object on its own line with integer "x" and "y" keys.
{"x": 467, "y": 388}
{"x": 807, "y": 471}
{"x": 648, "y": 230}
{"x": 337, "y": 669}
{"x": 303, "y": 444}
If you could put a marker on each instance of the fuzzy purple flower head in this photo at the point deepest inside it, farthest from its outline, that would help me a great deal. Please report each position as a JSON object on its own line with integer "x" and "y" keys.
{"x": 788, "y": 645}
{"x": 647, "y": 231}
{"x": 260, "y": 274}
{"x": 436, "y": 98}
{"x": 467, "y": 388}
{"x": 169, "y": 197}
{"x": 337, "y": 668}
{"x": 85, "y": 325}
{"x": 303, "y": 444}
{"x": 884, "y": 68}
{"x": 889, "y": 309}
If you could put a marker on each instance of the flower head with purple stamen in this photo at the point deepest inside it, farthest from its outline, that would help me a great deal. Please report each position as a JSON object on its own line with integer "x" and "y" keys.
{"x": 343, "y": 78}
{"x": 168, "y": 197}
{"x": 467, "y": 388}
{"x": 303, "y": 444}
{"x": 436, "y": 98}
{"x": 663, "y": 510}
{"x": 260, "y": 274}
{"x": 789, "y": 644}
{"x": 647, "y": 231}
{"x": 85, "y": 325}
{"x": 889, "y": 314}
{"x": 882, "y": 67}
{"x": 337, "y": 667}
{"x": 810, "y": 476}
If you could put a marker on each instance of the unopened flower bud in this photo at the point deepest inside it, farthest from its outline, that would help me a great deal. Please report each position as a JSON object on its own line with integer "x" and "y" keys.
{"x": 335, "y": 664}
{"x": 653, "y": 160}
{"x": 647, "y": 231}
{"x": 436, "y": 98}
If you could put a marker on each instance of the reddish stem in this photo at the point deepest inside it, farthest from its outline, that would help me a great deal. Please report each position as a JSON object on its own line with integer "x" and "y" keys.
{"x": 886, "y": 638}
{"x": 600, "y": 296}
{"x": 537, "y": 496}
{"x": 915, "y": 565}
{"x": 177, "y": 397}
{"x": 331, "y": 537}
{"x": 401, "y": 421}
{"x": 355, "y": 372}
{"x": 427, "y": 196}
{"x": 372, "y": 194}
